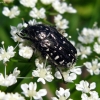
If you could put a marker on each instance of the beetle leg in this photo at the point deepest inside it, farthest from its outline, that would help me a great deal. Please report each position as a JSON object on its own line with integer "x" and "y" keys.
{"x": 61, "y": 74}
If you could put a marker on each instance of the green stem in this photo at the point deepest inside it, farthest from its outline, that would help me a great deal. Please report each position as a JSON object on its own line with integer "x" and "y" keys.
{"x": 25, "y": 77}
{"x": 5, "y": 72}
{"x": 30, "y": 98}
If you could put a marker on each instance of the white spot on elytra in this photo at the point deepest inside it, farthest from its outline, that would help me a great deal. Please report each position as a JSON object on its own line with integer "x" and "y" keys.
{"x": 55, "y": 51}
{"x": 45, "y": 43}
{"x": 37, "y": 31}
{"x": 61, "y": 61}
{"x": 47, "y": 49}
{"x": 51, "y": 54}
{"x": 55, "y": 46}
{"x": 56, "y": 57}
{"x": 36, "y": 38}
{"x": 60, "y": 48}
{"x": 72, "y": 50}
{"x": 61, "y": 37}
{"x": 46, "y": 28}
{"x": 41, "y": 26}
{"x": 64, "y": 42}
{"x": 53, "y": 36}
{"x": 47, "y": 57}
{"x": 42, "y": 35}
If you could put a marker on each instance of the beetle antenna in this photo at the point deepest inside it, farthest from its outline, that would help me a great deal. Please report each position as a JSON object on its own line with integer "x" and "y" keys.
{"x": 61, "y": 74}
{"x": 25, "y": 22}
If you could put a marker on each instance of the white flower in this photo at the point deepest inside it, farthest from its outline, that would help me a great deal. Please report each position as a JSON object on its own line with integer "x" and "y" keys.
{"x": 9, "y": 80}
{"x": 93, "y": 96}
{"x": 62, "y": 31}
{"x": 46, "y": 2}
{"x": 93, "y": 68}
{"x": 12, "y": 96}
{"x": 76, "y": 69}
{"x": 70, "y": 9}
{"x": 86, "y": 36}
{"x": 30, "y": 91}
{"x": 85, "y": 87}
{"x": 16, "y": 30}
{"x": 16, "y": 72}
{"x": 6, "y": 55}
{"x": 26, "y": 52}
{"x": 73, "y": 42}
{"x": 96, "y": 32}
{"x": 2, "y": 94}
{"x": 70, "y": 74}
{"x": 62, "y": 7}
{"x": 42, "y": 72}
{"x": 11, "y": 13}
{"x": 97, "y": 48}
{"x": 28, "y": 3}
{"x": 62, "y": 94}
{"x": 84, "y": 51}
{"x": 33, "y": 22}
{"x": 60, "y": 23}
{"x": 65, "y": 35}
{"x": 68, "y": 77}
{"x": 35, "y": 13}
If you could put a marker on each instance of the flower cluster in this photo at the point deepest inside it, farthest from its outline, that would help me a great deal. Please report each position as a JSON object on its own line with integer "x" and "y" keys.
{"x": 62, "y": 94}
{"x": 11, "y": 13}
{"x": 10, "y": 79}
{"x": 57, "y": 5}
{"x": 60, "y": 23}
{"x": 43, "y": 72}
{"x": 63, "y": 7}
{"x": 87, "y": 37}
{"x": 35, "y": 13}
{"x": 11, "y": 96}
{"x": 69, "y": 75}
{"x": 93, "y": 67}
{"x": 30, "y": 91}
{"x": 87, "y": 90}
{"x": 6, "y": 55}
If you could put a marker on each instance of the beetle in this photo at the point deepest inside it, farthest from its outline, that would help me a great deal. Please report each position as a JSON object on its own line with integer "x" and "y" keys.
{"x": 50, "y": 43}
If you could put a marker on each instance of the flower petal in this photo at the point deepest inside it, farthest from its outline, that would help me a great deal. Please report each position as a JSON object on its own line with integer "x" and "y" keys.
{"x": 42, "y": 92}
{"x": 41, "y": 80}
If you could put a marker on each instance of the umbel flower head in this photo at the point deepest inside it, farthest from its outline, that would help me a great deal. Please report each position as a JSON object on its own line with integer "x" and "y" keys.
{"x": 93, "y": 67}
{"x": 25, "y": 51}
{"x": 69, "y": 75}
{"x": 11, "y": 96}
{"x": 62, "y": 94}
{"x": 85, "y": 87}
{"x": 29, "y": 90}
{"x": 6, "y": 55}
{"x": 11, "y": 13}
{"x": 44, "y": 73}
{"x": 10, "y": 79}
